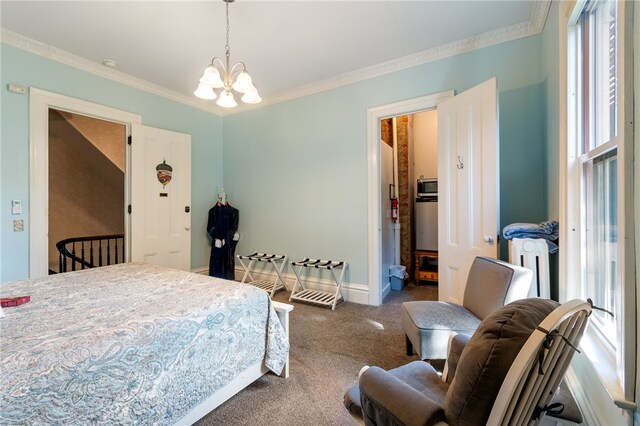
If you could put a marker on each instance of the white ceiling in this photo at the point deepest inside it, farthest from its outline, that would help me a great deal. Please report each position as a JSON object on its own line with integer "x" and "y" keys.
{"x": 290, "y": 47}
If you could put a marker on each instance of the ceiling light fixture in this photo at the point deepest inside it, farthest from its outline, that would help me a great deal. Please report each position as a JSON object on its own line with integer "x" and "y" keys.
{"x": 235, "y": 77}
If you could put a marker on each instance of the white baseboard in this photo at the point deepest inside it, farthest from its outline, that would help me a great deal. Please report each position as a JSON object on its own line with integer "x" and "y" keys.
{"x": 351, "y": 292}
{"x": 573, "y": 383}
{"x": 386, "y": 289}
{"x": 204, "y": 270}
{"x": 594, "y": 402}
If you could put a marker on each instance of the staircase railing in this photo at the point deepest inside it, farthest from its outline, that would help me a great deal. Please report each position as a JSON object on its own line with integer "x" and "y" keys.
{"x": 90, "y": 252}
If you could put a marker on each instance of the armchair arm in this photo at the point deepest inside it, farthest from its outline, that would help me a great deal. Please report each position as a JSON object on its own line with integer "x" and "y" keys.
{"x": 388, "y": 400}
{"x": 457, "y": 343}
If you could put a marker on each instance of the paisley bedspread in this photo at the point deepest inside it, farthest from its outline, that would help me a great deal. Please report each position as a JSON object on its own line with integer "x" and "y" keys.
{"x": 131, "y": 344}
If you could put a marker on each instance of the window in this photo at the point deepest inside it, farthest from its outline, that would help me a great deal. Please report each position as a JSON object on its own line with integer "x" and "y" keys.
{"x": 599, "y": 280}
{"x": 597, "y": 117}
{"x": 595, "y": 188}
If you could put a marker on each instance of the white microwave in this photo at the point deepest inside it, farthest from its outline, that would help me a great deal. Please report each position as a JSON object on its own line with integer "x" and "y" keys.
{"x": 427, "y": 187}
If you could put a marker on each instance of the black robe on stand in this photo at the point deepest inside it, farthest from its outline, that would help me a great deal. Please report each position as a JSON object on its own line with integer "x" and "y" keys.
{"x": 222, "y": 225}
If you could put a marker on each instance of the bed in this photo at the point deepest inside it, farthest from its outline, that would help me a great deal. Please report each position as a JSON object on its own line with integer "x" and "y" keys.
{"x": 133, "y": 344}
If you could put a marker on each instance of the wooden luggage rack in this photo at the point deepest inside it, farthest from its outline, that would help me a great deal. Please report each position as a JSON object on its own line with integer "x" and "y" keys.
{"x": 278, "y": 261}
{"x": 318, "y": 297}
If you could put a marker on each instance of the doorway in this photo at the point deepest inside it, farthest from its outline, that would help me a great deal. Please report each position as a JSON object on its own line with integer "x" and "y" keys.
{"x": 86, "y": 184}
{"x": 40, "y": 102}
{"x": 408, "y": 155}
{"x": 468, "y": 185}
{"x": 149, "y": 151}
{"x": 378, "y": 275}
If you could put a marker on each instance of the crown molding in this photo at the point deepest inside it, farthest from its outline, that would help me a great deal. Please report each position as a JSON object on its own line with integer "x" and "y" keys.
{"x": 33, "y": 46}
{"x": 539, "y": 15}
{"x": 533, "y": 26}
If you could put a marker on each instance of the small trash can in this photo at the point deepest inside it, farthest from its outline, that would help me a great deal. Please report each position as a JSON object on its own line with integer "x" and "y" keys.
{"x": 397, "y": 275}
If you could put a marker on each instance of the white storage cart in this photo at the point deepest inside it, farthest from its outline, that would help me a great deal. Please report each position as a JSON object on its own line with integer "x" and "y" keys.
{"x": 301, "y": 293}
{"x": 278, "y": 261}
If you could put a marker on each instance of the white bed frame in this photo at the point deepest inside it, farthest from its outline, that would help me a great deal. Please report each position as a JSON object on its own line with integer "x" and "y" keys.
{"x": 247, "y": 377}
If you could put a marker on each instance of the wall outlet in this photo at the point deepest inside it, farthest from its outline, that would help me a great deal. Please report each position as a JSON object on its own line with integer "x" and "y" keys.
{"x": 18, "y": 225}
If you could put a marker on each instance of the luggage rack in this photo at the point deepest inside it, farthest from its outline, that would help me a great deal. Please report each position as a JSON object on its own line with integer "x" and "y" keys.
{"x": 273, "y": 259}
{"x": 319, "y": 297}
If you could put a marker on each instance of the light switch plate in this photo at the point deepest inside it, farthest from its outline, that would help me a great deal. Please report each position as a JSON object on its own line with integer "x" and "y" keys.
{"x": 16, "y": 207}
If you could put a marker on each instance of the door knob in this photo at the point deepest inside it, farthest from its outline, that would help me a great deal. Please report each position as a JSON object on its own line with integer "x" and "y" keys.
{"x": 488, "y": 239}
{"x": 187, "y": 228}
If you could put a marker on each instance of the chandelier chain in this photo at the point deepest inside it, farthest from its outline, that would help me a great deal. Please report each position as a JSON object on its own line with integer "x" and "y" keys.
{"x": 228, "y": 49}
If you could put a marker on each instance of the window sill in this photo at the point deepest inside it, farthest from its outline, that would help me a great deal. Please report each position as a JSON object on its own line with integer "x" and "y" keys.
{"x": 603, "y": 359}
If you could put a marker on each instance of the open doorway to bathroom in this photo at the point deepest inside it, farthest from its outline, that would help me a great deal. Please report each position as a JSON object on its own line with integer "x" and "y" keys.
{"x": 409, "y": 171}
{"x": 86, "y": 190}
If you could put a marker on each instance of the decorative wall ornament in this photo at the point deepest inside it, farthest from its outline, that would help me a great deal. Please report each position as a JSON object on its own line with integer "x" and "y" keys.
{"x": 163, "y": 170}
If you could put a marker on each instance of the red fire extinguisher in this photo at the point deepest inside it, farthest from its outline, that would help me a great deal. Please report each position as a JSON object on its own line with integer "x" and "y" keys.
{"x": 394, "y": 210}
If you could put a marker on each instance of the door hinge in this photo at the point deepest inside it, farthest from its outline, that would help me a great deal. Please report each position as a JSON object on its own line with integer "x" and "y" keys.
{"x": 129, "y": 208}
{"x": 129, "y": 139}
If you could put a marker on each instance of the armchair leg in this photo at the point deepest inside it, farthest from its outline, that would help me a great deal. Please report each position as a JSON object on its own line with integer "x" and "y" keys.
{"x": 409, "y": 345}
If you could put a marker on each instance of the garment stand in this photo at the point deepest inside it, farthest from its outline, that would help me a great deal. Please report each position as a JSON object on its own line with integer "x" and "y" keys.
{"x": 277, "y": 260}
{"x": 319, "y": 297}
{"x": 222, "y": 228}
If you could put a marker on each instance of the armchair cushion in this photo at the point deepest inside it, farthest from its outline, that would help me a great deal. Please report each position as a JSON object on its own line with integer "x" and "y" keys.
{"x": 428, "y": 324}
{"x": 487, "y": 358}
{"x": 492, "y": 284}
{"x": 409, "y": 395}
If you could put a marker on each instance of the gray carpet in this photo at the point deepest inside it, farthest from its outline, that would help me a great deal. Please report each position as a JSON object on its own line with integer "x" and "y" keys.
{"x": 328, "y": 348}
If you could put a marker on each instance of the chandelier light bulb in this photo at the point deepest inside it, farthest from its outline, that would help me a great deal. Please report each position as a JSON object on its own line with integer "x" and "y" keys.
{"x": 243, "y": 82}
{"x": 226, "y": 99}
{"x": 251, "y": 96}
{"x": 205, "y": 91}
{"x": 211, "y": 77}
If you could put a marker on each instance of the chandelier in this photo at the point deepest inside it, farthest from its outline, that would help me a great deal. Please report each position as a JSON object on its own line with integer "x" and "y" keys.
{"x": 236, "y": 77}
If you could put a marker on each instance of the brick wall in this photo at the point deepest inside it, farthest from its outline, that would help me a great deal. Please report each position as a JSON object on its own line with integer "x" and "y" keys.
{"x": 386, "y": 131}
{"x": 404, "y": 198}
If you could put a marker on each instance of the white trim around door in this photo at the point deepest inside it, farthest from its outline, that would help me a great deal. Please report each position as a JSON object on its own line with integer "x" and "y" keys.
{"x": 40, "y": 102}
{"x": 374, "y": 115}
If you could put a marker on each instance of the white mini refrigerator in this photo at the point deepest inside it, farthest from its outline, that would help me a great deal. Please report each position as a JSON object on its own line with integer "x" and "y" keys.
{"x": 426, "y": 215}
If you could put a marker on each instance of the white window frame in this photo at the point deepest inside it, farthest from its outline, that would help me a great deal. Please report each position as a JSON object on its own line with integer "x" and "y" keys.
{"x": 616, "y": 367}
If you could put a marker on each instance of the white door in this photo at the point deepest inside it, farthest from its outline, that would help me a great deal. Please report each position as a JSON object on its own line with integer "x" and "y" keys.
{"x": 160, "y": 214}
{"x": 467, "y": 185}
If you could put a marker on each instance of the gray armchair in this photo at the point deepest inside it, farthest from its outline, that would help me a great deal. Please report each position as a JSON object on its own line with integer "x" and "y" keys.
{"x": 491, "y": 284}
{"x": 506, "y": 373}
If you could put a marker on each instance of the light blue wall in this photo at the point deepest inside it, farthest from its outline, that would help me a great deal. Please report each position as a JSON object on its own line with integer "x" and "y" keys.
{"x": 29, "y": 70}
{"x": 550, "y": 78}
{"x": 297, "y": 171}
